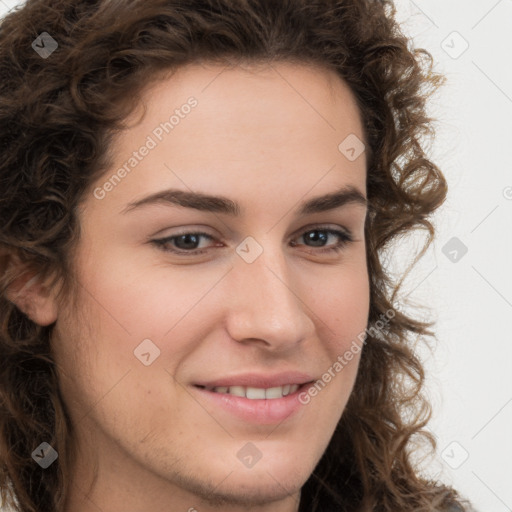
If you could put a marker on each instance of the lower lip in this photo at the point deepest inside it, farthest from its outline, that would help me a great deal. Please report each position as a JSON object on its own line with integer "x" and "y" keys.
{"x": 259, "y": 411}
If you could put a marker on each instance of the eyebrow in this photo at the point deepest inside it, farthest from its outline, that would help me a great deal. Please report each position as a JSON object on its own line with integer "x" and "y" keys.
{"x": 220, "y": 204}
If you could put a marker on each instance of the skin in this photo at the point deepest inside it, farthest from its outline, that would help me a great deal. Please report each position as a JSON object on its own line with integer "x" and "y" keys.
{"x": 266, "y": 137}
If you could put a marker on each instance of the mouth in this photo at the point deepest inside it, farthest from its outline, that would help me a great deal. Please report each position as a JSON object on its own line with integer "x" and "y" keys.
{"x": 256, "y": 399}
{"x": 255, "y": 393}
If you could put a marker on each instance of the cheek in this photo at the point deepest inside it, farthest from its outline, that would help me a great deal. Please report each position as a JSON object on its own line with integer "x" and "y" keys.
{"x": 343, "y": 307}
{"x": 343, "y": 303}
{"x": 104, "y": 376}
{"x": 138, "y": 300}
{"x": 130, "y": 315}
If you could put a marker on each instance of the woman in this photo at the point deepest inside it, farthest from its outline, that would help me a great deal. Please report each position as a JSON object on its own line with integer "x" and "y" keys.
{"x": 266, "y": 369}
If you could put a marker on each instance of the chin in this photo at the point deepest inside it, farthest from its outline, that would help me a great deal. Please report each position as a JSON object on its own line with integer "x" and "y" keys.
{"x": 248, "y": 489}
{"x": 271, "y": 479}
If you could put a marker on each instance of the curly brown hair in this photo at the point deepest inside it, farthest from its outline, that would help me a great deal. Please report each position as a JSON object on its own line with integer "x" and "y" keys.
{"x": 58, "y": 118}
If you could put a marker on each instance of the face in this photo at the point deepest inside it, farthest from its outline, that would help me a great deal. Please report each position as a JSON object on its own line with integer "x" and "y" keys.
{"x": 196, "y": 315}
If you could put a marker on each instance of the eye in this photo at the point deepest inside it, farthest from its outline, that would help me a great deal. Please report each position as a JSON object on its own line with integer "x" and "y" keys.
{"x": 321, "y": 235}
{"x": 187, "y": 243}
{"x": 188, "y": 240}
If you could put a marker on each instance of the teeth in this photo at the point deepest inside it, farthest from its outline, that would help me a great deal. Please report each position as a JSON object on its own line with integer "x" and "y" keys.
{"x": 258, "y": 393}
{"x": 255, "y": 393}
{"x": 274, "y": 392}
{"x": 235, "y": 390}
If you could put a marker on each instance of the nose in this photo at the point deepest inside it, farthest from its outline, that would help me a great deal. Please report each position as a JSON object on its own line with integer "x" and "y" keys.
{"x": 266, "y": 306}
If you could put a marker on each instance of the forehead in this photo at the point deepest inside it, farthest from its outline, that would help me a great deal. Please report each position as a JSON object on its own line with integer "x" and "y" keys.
{"x": 257, "y": 126}
{"x": 267, "y": 96}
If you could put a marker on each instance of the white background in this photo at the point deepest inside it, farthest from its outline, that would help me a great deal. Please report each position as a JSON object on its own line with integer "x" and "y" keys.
{"x": 469, "y": 379}
{"x": 470, "y": 374}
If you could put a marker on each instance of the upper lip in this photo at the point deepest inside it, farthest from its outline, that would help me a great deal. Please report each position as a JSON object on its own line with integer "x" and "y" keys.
{"x": 258, "y": 380}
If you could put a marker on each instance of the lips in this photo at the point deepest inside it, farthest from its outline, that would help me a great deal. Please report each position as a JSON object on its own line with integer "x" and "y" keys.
{"x": 256, "y": 398}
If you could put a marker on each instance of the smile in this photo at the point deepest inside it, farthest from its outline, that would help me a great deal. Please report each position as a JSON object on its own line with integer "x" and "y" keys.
{"x": 256, "y": 393}
{"x": 255, "y": 405}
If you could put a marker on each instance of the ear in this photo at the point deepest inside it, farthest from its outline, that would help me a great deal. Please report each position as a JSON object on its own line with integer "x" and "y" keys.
{"x": 32, "y": 296}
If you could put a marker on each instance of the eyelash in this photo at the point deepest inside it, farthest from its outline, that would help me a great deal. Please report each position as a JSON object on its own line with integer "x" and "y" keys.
{"x": 345, "y": 239}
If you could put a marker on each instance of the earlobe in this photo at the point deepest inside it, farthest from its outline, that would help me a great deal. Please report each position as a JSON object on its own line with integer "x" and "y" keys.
{"x": 33, "y": 297}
